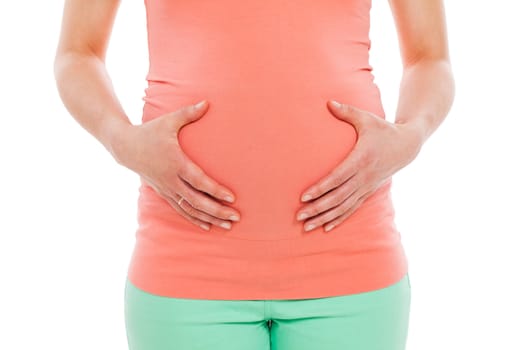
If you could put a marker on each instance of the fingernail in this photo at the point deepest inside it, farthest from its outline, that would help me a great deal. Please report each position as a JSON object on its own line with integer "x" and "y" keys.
{"x": 200, "y": 104}
{"x": 309, "y": 227}
{"x": 302, "y": 216}
{"x": 226, "y": 225}
{"x": 234, "y": 218}
{"x": 335, "y": 103}
{"x": 228, "y": 198}
{"x": 329, "y": 227}
{"x": 306, "y": 197}
{"x": 206, "y": 227}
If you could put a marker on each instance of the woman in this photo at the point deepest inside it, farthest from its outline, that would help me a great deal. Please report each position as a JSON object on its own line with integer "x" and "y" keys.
{"x": 290, "y": 123}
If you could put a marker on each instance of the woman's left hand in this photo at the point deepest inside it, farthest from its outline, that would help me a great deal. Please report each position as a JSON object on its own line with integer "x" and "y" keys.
{"x": 382, "y": 148}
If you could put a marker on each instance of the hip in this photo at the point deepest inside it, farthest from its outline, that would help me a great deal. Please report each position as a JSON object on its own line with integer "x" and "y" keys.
{"x": 339, "y": 322}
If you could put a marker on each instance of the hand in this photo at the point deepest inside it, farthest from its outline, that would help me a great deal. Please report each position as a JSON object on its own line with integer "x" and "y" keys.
{"x": 152, "y": 150}
{"x": 382, "y": 148}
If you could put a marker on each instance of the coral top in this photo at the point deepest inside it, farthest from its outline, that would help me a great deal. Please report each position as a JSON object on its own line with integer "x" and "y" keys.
{"x": 267, "y": 69}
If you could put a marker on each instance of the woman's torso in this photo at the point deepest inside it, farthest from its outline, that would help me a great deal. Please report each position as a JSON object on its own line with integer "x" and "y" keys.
{"x": 267, "y": 69}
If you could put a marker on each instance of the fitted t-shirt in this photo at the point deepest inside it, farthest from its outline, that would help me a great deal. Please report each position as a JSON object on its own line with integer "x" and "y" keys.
{"x": 267, "y": 69}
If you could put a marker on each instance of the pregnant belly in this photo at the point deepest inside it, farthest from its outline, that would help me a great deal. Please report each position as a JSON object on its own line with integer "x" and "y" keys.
{"x": 267, "y": 144}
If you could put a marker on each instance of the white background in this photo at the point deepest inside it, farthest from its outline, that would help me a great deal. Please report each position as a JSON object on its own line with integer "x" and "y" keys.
{"x": 67, "y": 210}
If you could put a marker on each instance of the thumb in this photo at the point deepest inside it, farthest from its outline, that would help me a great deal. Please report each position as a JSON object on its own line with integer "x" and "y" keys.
{"x": 347, "y": 113}
{"x": 190, "y": 113}
{"x": 197, "y": 110}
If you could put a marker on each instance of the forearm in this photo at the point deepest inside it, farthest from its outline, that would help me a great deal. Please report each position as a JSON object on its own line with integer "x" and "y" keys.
{"x": 87, "y": 92}
{"x": 426, "y": 94}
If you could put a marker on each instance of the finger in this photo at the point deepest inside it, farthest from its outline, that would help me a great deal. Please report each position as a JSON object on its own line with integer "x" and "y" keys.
{"x": 198, "y": 179}
{"x": 175, "y": 206}
{"x": 195, "y": 213}
{"x": 196, "y": 221}
{"x": 351, "y": 114}
{"x": 329, "y": 215}
{"x": 331, "y": 199}
{"x": 187, "y": 211}
{"x": 189, "y": 113}
{"x": 344, "y": 171}
{"x": 331, "y": 224}
{"x": 202, "y": 202}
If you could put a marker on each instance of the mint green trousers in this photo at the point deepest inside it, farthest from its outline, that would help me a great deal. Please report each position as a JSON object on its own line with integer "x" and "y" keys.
{"x": 375, "y": 320}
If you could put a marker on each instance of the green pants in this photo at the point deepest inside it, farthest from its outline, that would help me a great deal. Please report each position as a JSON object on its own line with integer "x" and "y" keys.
{"x": 375, "y": 320}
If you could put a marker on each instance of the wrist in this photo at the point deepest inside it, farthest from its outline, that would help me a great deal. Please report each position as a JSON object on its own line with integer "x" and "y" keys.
{"x": 415, "y": 134}
{"x": 115, "y": 137}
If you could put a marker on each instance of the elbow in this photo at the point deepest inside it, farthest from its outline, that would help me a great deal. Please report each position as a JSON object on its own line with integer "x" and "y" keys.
{"x": 439, "y": 64}
{"x": 57, "y": 65}
{"x": 65, "y": 58}
{"x": 436, "y": 69}
{"x": 60, "y": 62}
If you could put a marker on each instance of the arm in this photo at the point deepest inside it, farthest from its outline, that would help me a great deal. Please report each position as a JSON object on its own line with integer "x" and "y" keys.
{"x": 383, "y": 148}
{"x": 79, "y": 67}
{"x": 150, "y": 149}
{"x": 427, "y": 86}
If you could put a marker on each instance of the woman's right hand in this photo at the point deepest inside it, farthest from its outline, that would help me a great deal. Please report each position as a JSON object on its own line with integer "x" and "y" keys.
{"x": 152, "y": 150}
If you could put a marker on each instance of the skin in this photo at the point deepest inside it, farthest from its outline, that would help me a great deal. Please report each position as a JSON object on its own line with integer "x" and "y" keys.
{"x": 425, "y": 97}
{"x": 86, "y": 90}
